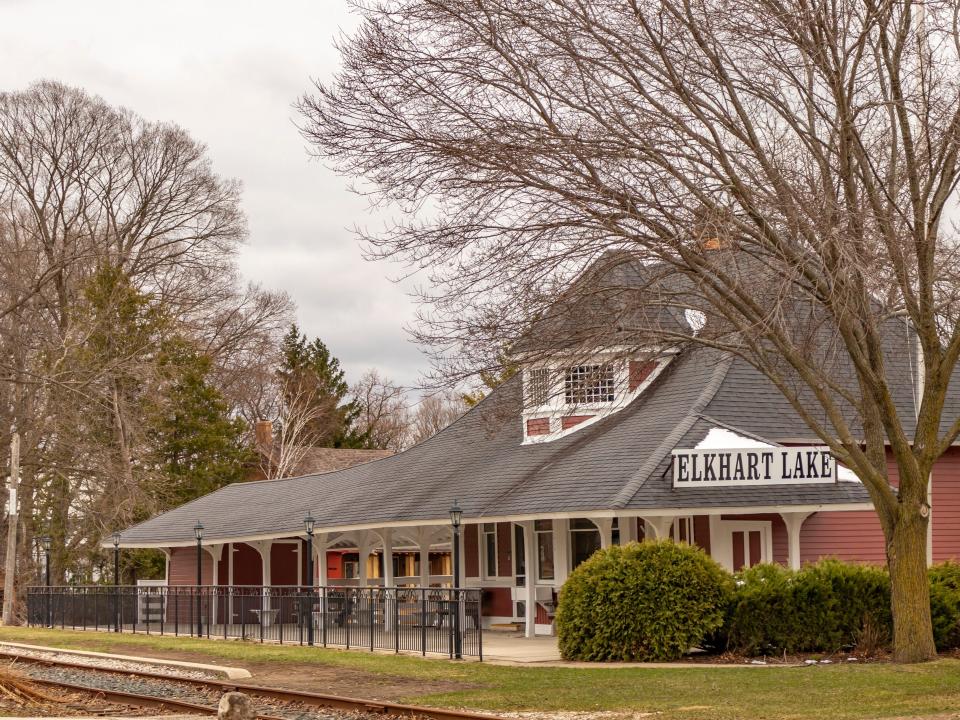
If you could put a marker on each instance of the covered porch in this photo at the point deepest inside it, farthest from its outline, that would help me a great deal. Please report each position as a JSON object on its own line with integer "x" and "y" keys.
{"x": 515, "y": 565}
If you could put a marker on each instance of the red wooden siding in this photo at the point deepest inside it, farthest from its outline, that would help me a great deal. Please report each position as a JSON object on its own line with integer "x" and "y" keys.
{"x": 701, "y": 531}
{"x": 247, "y": 565}
{"x": 183, "y": 566}
{"x": 283, "y": 563}
{"x": 497, "y": 602}
{"x": 471, "y": 551}
{"x": 855, "y": 536}
{"x": 946, "y": 507}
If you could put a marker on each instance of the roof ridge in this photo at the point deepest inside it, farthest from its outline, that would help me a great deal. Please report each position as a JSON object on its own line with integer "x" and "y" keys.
{"x": 669, "y": 442}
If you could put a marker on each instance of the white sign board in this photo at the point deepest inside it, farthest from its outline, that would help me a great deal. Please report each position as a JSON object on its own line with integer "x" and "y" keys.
{"x": 811, "y": 464}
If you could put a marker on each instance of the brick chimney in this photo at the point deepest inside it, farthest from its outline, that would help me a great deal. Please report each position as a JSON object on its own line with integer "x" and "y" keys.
{"x": 263, "y": 434}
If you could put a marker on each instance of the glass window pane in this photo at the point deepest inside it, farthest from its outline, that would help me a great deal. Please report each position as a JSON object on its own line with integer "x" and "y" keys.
{"x": 543, "y": 524}
{"x": 584, "y": 545}
{"x": 545, "y": 555}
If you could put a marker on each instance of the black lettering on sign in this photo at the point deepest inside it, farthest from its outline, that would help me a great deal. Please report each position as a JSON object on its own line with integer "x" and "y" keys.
{"x": 738, "y": 468}
{"x": 798, "y": 466}
{"x": 724, "y": 472}
{"x": 812, "y": 464}
{"x": 826, "y": 462}
{"x": 752, "y": 462}
{"x": 784, "y": 470}
{"x": 708, "y": 472}
{"x": 682, "y": 468}
{"x": 767, "y": 461}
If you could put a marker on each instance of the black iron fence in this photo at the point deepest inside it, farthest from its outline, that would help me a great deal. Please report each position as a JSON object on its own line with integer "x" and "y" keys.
{"x": 425, "y": 620}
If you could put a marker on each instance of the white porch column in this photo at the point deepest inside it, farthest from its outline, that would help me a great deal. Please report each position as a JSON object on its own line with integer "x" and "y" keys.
{"x": 424, "y": 537}
{"x": 793, "y": 521}
{"x": 320, "y": 551}
{"x": 660, "y": 525}
{"x": 263, "y": 547}
{"x": 388, "y": 608}
{"x": 530, "y": 578}
{"x": 561, "y": 550}
{"x": 363, "y": 549}
{"x": 628, "y": 529}
{"x": 216, "y": 552}
{"x": 605, "y": 526}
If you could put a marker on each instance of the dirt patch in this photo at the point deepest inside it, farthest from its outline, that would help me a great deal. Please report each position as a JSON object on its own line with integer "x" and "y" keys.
{"x": 346, "y": 682}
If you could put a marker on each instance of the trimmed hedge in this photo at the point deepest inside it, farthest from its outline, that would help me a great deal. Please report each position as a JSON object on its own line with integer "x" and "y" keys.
{"x": 945, "y": 605}
{"x": 642, "y": 601}
{"x": 656, "y": 600}
{"x": 823, "y": 607}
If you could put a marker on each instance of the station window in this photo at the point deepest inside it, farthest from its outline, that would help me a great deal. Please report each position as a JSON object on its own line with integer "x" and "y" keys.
{"x": 584, "y": 540}
{"x": 544, "y": 534}
{"x": 587, "y": 384}
{"x": 490, "y": 550}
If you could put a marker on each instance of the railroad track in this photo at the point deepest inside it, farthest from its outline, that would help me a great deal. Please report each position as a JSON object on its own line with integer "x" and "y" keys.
{"x": 200, "y": 696}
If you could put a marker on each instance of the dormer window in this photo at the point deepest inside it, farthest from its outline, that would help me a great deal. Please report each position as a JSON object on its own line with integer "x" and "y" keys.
{"x": 539, "y": 381}
{"x": 589, "y": 384}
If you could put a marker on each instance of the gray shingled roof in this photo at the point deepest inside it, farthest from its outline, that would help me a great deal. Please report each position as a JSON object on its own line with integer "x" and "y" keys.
{"x": 618, "y": 463}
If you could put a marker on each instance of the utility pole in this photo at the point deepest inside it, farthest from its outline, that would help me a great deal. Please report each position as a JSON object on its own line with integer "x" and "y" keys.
{"x": 10, "y": 566}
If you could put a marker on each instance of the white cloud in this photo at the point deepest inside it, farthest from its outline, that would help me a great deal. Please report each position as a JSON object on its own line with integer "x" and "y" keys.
{"x": 229, "y": 72}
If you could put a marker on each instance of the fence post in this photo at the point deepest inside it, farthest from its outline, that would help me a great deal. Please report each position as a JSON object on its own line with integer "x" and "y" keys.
{"x": 423, "y": 621}
{"x": 396, "y": 620}
{"x": 370, "y": 600}
{"x": 324, "y": 613}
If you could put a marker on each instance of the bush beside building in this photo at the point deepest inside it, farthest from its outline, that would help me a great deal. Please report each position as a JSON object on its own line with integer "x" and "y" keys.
{"x": 656, "y": 601}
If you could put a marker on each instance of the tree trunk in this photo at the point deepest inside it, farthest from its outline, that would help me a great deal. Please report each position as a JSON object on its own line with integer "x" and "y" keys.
{"x": 910, "y": 589}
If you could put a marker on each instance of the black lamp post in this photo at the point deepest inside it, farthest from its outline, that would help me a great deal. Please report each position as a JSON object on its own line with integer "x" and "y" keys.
{"x": 116, "y": 580}
{"x": 456, "y": 514}
{"x": 308, "y": 524}
{"x": 198, "y": 531}
{"x": 46, "y": 542}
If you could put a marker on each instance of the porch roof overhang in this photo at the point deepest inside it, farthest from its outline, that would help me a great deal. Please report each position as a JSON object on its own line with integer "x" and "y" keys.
{"x": 441, "y": 523}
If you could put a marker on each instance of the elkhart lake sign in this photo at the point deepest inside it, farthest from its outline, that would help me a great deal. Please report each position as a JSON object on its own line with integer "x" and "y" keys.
{"x": 753, "y": 466}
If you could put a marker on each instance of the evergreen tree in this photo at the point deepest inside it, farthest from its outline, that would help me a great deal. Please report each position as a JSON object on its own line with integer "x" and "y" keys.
{"x": 200, "y": 446}
{"x": 311, "y": 376}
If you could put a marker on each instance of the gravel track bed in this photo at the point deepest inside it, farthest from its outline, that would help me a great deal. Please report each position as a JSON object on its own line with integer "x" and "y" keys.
{"x": 118, "y": 681}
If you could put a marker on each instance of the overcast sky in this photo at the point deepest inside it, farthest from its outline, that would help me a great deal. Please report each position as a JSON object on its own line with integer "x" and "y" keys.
{"x": 228, "y": 73}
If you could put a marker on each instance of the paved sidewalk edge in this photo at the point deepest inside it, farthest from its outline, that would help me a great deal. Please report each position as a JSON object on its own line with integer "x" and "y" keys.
{"x": 231, "y": 673}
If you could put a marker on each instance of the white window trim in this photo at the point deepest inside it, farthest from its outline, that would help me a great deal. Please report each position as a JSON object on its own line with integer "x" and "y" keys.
{"x": 557, "y": 409}
{"x": 487, "y": 575}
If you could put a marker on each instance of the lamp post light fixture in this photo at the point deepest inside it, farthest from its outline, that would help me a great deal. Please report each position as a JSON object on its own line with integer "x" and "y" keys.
{"x": 198, "y": 532}
{"x": 456, "y": 515}
{"x": 116, "y": 580}
{"x": 308, "y": 525}
{"x": 46, "y": 543}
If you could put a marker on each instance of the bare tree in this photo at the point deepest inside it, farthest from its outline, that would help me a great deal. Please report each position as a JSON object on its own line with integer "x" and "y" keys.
{"x": 434, "y": 412}
{"x": 90, "y": 192}
{"x": 814, "y": 145}
{"x": 384, "y": 417}
{"x": 298, "y": 421}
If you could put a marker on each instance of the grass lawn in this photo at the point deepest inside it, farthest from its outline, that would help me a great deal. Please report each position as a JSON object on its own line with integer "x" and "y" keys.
{"x": 828, "y": 691}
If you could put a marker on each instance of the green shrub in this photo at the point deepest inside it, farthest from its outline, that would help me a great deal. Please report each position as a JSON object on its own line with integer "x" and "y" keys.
{"x": 945, "y": 605}
{"x": 642, "y": 601}
{"x": 824, "y": 607}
